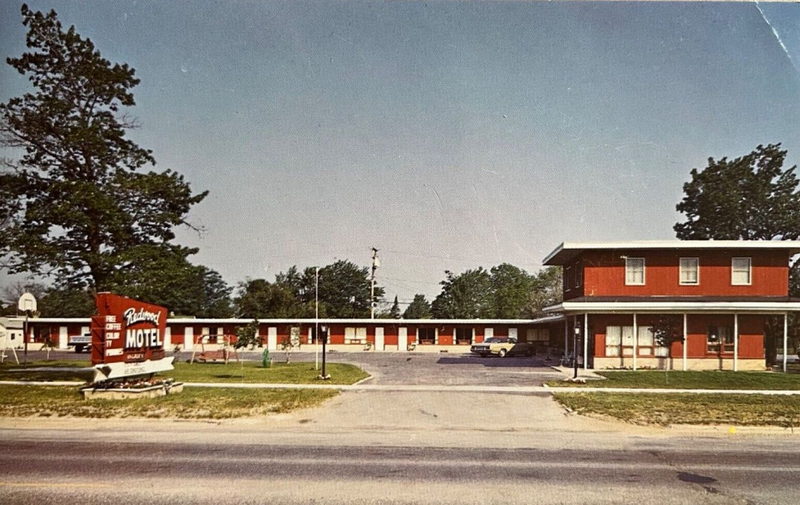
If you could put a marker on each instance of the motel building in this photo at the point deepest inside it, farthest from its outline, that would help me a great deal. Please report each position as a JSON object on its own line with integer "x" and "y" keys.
{"x": 716, "y": 297}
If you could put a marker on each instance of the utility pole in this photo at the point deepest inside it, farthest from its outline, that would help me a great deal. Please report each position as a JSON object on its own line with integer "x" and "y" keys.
{"x": 375, "y": 264}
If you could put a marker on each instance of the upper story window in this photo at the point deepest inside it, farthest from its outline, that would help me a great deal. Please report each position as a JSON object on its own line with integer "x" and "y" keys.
{"x": 567, "y": 278}
{"x": 634, "y": 271}
{"x": 690, "y": 271}
{"x": 578, "y": 275}
{"x": 741, "y": 271}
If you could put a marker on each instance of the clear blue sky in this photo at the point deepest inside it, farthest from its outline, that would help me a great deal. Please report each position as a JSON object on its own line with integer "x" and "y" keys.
{"x": 449, "y": 135}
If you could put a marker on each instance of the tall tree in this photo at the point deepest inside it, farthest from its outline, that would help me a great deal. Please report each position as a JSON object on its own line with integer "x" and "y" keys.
{"x": 464, "y": 296}
{"x": 419, "y": 308}
{"x": 547, "y": 290}
{"x": 259, "y": 298}
{"x": 344, "y": 290}
{"x": 751, "y": 197}
{"x": 511, "y": 292}
{"x": 75, "y": 203}
{"x": 394, "y": 311}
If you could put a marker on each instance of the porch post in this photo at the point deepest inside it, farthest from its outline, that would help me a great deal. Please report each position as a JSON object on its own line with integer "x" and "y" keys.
{"x": 635, "y": 340}
{"x": 785, "y": 339}
{"x": 566, "y": 338}
{"x": 735, "y": 342}
{"x": 586, "y": 341}
{"x": 685, "y": 341}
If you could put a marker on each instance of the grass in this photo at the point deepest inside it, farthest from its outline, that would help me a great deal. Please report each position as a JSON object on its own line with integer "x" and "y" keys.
{"x": 691, "y": 380}
{"x": 243, "y": 372}
{"x": 191, "y": 403}
{"x": 667, "y": 409}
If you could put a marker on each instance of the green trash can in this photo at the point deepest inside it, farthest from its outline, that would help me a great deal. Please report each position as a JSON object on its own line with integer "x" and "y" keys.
{"x": 265, "y": 361}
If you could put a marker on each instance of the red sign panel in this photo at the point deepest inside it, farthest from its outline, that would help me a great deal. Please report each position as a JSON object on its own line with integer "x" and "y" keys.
{"x": 127, "y": 330}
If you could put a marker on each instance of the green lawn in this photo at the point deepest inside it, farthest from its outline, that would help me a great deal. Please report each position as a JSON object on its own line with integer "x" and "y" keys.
{"x": 666, "y": 409}
{"x": 246, "y": 371}
{"x": 191, "y": 403}
{"x": 690, "y": 380}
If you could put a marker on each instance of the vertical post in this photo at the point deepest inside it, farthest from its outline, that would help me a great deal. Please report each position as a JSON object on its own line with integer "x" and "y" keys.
{"x": 375, "y": 264}
{"x": 324, "y": 335}
{"x": 735, "y": 342}
{"x": 685, "y": 342}
{"x": 785, "y": 339}
{"x": 25, "y": 336}
{"x": 566, "y": 338}
{"x": 576, "y": 336}
{"x": 635, "y": 340}
{"x": 316, "y": 318}
{"x": 586, "y": 341}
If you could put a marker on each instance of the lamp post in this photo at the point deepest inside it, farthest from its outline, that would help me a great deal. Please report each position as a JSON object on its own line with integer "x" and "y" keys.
{"x": 324, "y": 334}
{"x": 576, "y": 338}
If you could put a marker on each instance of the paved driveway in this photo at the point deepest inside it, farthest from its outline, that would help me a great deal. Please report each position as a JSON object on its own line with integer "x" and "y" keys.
{"x": 445, "y": 369}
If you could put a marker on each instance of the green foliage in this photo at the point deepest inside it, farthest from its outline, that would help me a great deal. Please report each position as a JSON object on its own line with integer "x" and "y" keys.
{"x": 419, "y": 308}
{"x": 344, "y": 292}
{"x": 751, "y": 198}
{"x": 394, "y": 311}
{"x": 464, "y": 296}
{"x": 504, "y": 292}
{"x": 665, "y": 331}
{"x": 247, "y": 336}
{"x": 74, "y": 204}
{"x": 65, "y": 302}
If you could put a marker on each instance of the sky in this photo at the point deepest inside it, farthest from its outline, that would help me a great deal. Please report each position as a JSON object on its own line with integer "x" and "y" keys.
{"x": 449, "y": 135}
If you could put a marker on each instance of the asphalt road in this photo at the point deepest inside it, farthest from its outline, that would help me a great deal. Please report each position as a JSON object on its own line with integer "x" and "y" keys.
{"x": 371, "y": 447}
{"x": 680, "y": 471}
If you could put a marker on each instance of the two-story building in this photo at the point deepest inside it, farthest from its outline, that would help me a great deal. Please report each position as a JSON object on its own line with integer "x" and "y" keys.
{"x": 718, "y": 300}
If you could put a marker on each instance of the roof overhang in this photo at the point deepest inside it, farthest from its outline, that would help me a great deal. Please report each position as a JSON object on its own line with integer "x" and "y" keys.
{"x": 311, "y": 321}
{"x": 765, "y": 307}
{"x": 568, "y": 251}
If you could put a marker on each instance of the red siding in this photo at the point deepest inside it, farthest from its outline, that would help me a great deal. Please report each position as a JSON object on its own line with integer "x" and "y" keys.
{"x": 604, "y": 274}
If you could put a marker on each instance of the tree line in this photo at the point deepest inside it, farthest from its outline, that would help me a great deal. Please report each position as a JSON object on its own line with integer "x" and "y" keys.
{"x": 84, "y": 206}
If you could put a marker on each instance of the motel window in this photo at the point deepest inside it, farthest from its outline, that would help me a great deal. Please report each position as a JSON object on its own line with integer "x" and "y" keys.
{"x": 568, "y": 279}
{"x": 463, "y": 335}
{"x": 613, "y": 340}
{"x": 538, "y": 335}
{"x": 741, "y": 271}
{"x": 645, "y": 341}
{"x": 427, "y": 335}
{"x": 619, "y": 341}
{"x": 690, "y": 271}
{"x": 634, "y": 271}
{"x": 354, "y": 335}
{"x": 578, "y": 276}
{"x": 720, "y": 339}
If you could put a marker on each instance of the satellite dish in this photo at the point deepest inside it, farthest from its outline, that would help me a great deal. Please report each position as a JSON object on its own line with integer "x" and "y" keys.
{"x": 27, "y": 302}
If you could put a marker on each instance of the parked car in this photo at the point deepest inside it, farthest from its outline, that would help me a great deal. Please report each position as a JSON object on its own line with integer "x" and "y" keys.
{"x": 502, "y": 347}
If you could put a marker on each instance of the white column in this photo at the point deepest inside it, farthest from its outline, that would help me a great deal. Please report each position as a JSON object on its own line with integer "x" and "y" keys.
{"x": 272, "y": 338}
{"x": 167, "y": 338}
{"x": 63, "y": 337}
{"x": 635, "y": 340}
{"x": 188, "y": 338}
{"x": 379, "y": 338}
{"x": 586, "y": 341}
{"x": 735, "y": 342}
{"x": 402, "y": 339}
{"x": 785, "y": 339}
{"x": 685, "y": 342}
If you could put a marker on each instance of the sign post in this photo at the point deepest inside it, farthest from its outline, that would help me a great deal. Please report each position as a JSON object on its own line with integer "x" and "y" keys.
{"x": 27, "y": 304}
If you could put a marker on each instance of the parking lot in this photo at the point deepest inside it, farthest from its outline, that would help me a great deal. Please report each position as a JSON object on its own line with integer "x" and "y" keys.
{"x": 442, "y": 368}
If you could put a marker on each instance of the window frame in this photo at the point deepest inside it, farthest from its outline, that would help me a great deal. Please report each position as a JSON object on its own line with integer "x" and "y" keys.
{"x": 734, "y": 281}
{"x": 681, "y": 269}
{"x": 629, "y": 269}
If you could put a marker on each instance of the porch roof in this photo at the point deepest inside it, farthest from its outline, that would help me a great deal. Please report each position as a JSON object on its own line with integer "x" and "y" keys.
{"x": 763, "y": 305}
